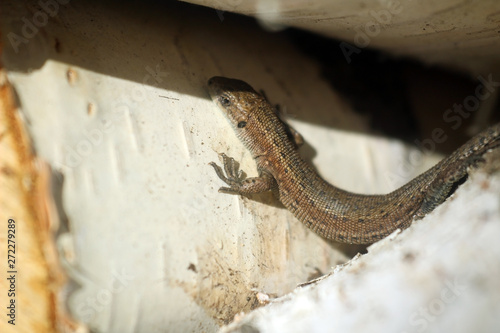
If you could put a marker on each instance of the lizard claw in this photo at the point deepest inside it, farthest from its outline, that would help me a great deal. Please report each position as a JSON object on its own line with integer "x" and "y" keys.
{"x": 231, "y": 175}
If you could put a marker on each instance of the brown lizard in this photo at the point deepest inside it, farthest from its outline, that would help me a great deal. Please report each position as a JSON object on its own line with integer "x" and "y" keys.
{"x": 329, "y": 211}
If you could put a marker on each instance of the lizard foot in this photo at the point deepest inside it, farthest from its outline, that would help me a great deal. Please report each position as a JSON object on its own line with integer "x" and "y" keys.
{"x": 234, "y": 178}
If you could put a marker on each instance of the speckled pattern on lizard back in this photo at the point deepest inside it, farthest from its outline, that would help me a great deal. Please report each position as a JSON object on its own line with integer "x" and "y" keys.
{"x": 329, "y": 211}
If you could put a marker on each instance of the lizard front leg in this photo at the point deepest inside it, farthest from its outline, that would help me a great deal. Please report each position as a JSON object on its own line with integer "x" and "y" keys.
{"x": 237, "y": 182}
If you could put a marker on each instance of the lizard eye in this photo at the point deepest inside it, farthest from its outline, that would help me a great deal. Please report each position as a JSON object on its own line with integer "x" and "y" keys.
{"x": 242, "y": 124}
{"x": 224, "y": 101}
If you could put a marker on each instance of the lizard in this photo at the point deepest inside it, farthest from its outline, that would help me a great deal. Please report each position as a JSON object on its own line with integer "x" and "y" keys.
{"x": 331, "y": 212}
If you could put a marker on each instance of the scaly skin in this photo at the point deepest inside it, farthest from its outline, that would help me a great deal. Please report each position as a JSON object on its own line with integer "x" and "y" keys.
{"x": 329, "y": 211}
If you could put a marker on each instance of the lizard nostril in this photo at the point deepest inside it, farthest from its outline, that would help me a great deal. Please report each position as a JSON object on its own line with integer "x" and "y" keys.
{"x": 211, "y": 81}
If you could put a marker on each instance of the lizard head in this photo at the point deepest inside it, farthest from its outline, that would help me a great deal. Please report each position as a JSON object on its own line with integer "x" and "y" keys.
{"x": 236, "y": 99}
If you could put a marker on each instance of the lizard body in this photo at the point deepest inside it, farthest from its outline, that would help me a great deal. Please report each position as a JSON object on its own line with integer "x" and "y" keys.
{"x": 329, "y": 211}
